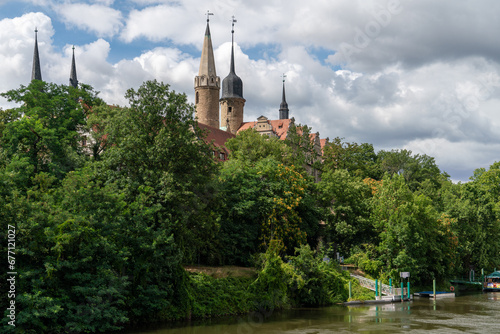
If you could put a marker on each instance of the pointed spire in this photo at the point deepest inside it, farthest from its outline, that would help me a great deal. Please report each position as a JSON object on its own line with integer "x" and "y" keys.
{"x": 232, "y": 45}
{"x": 73, "y": 81}
{"x": 207, "y": 83}
{"x": 232, "y": 86}
{"x": 36, "y": 73}
{"x": 283, "y": 105}
{"x": 207, "y": 62}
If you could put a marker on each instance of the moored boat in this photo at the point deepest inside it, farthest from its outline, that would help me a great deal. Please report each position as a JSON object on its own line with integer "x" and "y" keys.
{"x": 492, "y": 282}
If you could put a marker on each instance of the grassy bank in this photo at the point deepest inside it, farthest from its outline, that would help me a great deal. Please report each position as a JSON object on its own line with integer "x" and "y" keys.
{"x": 304, "y": 280}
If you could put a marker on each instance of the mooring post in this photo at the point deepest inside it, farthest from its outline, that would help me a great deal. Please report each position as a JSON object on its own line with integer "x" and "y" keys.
{"x": 376, "y": 288}
{"x": 408, "y": 289}
{"x": 380, "y": 290}
{"x": 402, "y": 291}
{"x": 390, "y": 286}
{"x": 434, "y": 288}
{"x": 350, "y": 290}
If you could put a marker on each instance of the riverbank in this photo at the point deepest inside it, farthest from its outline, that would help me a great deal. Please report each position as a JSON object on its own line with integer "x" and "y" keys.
{"x": 305, "y": 280}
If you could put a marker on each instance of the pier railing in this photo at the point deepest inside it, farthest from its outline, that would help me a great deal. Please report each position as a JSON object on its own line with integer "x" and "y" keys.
{"x": 386, "y": 289}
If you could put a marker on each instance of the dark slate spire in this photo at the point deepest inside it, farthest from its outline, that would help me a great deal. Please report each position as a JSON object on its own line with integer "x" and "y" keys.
{"x": 283, "y": 105}
{"x": 73, "y": 81}
{"x": 232, "y": 86}
{"x": 36, "y": 73}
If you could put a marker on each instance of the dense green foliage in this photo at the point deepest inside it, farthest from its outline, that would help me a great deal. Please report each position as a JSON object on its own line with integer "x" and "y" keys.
{"x": 109, "y": 203}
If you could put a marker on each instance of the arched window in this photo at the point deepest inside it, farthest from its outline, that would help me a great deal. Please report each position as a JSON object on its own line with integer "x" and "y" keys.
{"x": 197, "y": 98}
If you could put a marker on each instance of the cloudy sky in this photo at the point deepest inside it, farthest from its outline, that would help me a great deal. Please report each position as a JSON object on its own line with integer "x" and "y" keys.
{"x": 421, "y": 75}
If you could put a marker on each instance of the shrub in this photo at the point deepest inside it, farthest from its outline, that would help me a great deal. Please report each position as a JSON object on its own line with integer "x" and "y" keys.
{"x": 270, "y": 287}
{"x": 315, "y": 282}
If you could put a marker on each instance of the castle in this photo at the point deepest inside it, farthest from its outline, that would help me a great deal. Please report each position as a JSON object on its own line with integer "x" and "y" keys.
{"x": 207, "y": 86}
{"x": 231, "y": 104}
{"x": 208, "y": 105}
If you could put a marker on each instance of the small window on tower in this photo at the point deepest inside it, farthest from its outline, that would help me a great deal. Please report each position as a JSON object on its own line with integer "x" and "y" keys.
{"x": 212, "y": 80}
{"x": 229, "y": 109}
{"x": 197, "y": 99}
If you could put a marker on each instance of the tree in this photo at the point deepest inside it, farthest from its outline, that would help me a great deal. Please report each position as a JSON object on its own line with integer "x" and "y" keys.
{"x": 305, "y": 154}
{"x": 45, "y": 128}
{"x": 475, "y": 206}
{"x": 347, "y": 203}
{"x": 413, "y": 235}
{"x": 102, "y": 245}
{"x": 414, "y": 168}
{"x": 154, "y": 150}
{"x": 358, "y": 160}
{"x": 249, "y": 147}
{"x": 262, "y": 203}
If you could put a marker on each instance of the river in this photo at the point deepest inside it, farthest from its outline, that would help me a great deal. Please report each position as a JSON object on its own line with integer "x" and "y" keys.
{"x": 473, "y": 313}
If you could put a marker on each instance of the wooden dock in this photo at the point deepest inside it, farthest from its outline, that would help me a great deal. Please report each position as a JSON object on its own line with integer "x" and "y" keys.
{"x": 439, "y": 294}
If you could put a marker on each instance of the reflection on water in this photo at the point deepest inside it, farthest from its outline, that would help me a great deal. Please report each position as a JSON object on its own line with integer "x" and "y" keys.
{"x": 470, "y": 314}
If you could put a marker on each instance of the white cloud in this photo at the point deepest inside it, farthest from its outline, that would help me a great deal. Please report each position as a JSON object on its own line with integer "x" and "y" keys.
{"x": 429, "y": 74}
{"x": 158, "y": 23}
{"x": 99, "y": 19}
{"x": 17, "y": 39}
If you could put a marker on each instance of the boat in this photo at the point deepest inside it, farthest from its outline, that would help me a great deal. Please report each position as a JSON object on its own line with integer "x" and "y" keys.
{"x": 492, "y": 282}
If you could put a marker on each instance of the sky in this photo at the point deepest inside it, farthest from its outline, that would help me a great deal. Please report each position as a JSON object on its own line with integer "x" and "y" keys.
{"x": 399, "y": 74}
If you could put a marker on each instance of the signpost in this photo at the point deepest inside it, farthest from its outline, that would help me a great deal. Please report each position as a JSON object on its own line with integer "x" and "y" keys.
{"x": 403, "y": 275}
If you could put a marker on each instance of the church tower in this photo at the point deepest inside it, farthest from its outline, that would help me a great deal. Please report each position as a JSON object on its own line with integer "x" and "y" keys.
{"x": 232, "y": 101}
{"x": 36, "y": 72}
{"x": 73, "y": 81}
{"x": 283, "y": 105}
{"x": 207, "y": 84}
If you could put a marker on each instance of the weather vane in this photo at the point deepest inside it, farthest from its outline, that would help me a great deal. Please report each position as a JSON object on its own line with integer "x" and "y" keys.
{"x": 208, "y": 15}
{"x": 233, "y": 21}
{"x": 283, "y": 76}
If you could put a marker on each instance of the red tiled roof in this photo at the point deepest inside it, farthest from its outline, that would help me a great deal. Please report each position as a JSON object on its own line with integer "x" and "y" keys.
{"x": 280, "y": 126}
{"x": 216, "y": 136}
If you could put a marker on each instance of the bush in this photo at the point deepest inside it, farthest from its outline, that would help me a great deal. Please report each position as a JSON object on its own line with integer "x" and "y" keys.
{"x": 361, "y": 259}
{"x": 213, "y": 297}
{"x": 270, "y": 288}
{"x": 315, "y": 282}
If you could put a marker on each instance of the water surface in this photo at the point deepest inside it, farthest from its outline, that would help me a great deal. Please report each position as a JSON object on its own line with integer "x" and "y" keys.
{"x": 476, "y": 313}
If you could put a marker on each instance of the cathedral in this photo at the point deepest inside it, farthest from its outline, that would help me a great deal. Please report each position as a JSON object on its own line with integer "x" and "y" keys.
{"x": 36, "y": 72}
